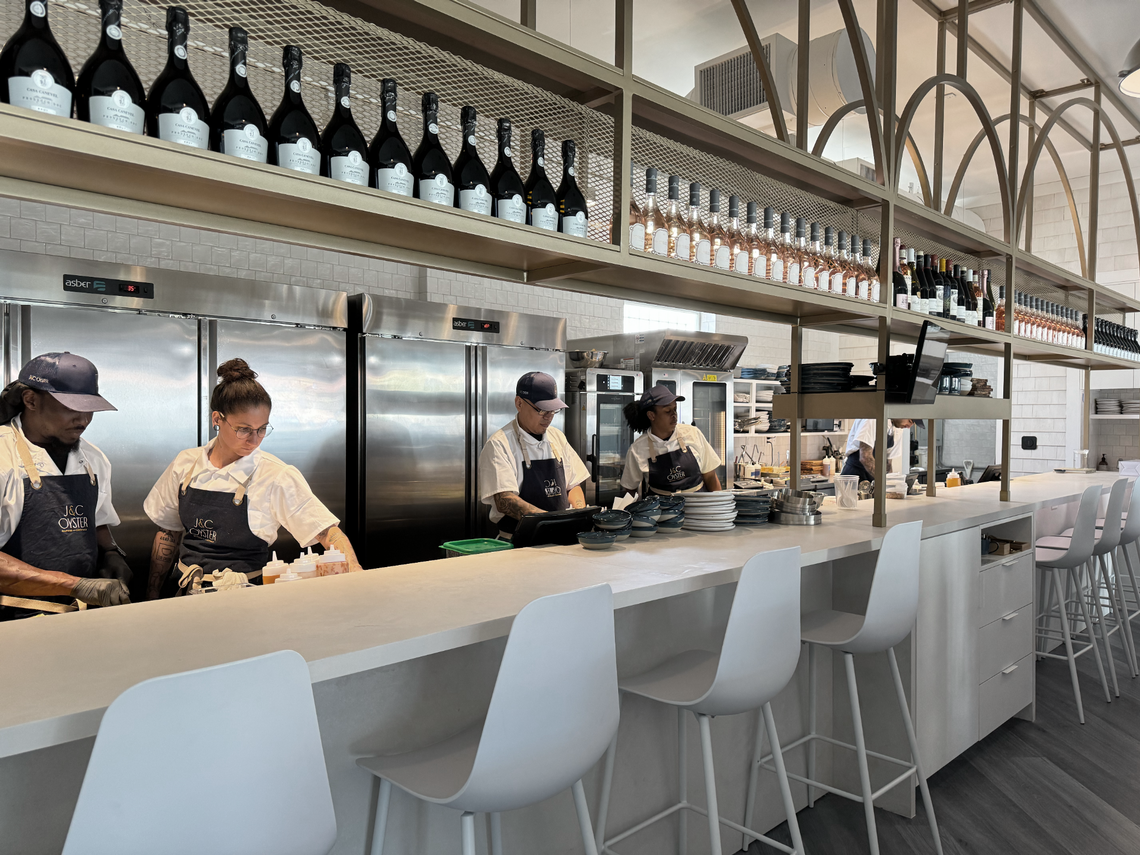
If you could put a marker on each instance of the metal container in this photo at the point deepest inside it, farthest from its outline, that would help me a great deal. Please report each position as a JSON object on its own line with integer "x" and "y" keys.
{"x": 585, "y": 358}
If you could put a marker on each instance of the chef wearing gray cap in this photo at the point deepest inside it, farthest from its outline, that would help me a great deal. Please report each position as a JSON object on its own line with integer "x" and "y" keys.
{"x": 55, "y": 517}
{"x": 528, "y": 466}
{"x": 669, "y": 457}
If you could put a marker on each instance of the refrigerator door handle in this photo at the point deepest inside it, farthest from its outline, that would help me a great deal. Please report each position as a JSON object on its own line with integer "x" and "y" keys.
{"x": 592, "y": 458}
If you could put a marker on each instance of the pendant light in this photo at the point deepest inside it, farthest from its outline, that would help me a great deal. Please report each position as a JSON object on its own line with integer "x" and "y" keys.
{"x": 1130, "y": 74}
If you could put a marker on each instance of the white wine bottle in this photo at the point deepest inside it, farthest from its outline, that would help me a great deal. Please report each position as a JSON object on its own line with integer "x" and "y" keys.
{"x": 294, "y": 141}
{"x": 573, "y": 215}
{"x": 471, "y": 178}
{"x": 34, "y": 71}
{"x": 176, "y": 109}
{"x": 431, "y": 168}
{"x": 346, "y": 152}
{"x": 237, "y": 124}
{"x": 506, "y": 185}
{"x": 388, "y": 156}
{"x": 109, "y": 92}
{"x": 541, "y": 203}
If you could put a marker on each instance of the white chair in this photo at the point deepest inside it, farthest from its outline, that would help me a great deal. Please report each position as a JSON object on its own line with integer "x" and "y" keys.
{"x": 1129, "y": 536}
{"x": 225, "y": 760}
{"x": 757, "y": 659}
{"x": 891, "y": 611}
{"x": 1061, "y": 559}
{"x": 553, "y": 711}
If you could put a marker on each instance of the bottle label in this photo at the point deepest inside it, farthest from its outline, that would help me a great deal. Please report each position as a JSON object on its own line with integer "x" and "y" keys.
{"x": 661, "y": 242}
{"x": 578, "y": 226}
{"x": 901, "y": 301}
{"x": 740, "y": 262}
{"x": 545, "y": 218}
{"x": 542, "y": 161}
{"x": 683, "y": 247}
{"x": 723, "y": 257}
{"x": 395, "y": 179}
{"x": 704, "y": 252}
{"x": 295, "y": 85}
{"x": 514, "y": 210}
{"x": 777, "y": 274}
{"x": 344, "y": 102}
{"x": 39, "y": 92}
{"x": 117, "y": 111}
{"x": 300, "y": 156}
{"x": 863, "y": 290}
{"x": 183, "y": 127}
{"x": 437, "y": 190}
{"x": 837, "y": 282}
{"x": 349, "y": 167}
{"x": 506, "y": 151}
{"x": 114, "y": 33}
{"x": 180, "y": 51}
{"x": 809, "y": 277}
{"x": 875, "y": 295}
{"x": 793, "y": 273}
{"x": 570, "y": 169}
{"x": 637, "y": 237}
{"x": 476, "y": 200}
{"x": 760, "y": 265}
{"x": 38, "y": 9}
{"x": 239, "y": 69}
{"x": 245, "y": 143}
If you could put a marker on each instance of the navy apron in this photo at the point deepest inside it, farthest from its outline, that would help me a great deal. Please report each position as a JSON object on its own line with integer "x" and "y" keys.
{"x": 543, "y": 484}
{"x": 216, "y": 531}
{"x": 57, "y": 525}
{"x": 854, "y": 467}
{"x": 674, "y": 471}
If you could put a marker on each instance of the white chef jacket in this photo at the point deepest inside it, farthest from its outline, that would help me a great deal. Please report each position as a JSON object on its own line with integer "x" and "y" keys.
{"x": 864, "y": 430}
{"x": 647, "y": 445}
{"x": 12, "y": 476}
{"x": 501, "y": 462}
{"x": 278, "y": 494}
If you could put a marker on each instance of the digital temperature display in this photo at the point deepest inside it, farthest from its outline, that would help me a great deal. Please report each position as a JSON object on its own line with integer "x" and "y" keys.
{"x": 475, "y": 325}
{"x": 108, "y": 287}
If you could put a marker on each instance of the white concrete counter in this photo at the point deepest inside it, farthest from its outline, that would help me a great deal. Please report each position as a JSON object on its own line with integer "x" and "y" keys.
{"x": 59, "y": 673}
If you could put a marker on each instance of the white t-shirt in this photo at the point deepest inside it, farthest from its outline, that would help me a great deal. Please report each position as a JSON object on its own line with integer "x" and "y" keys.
{"x": 501, "y": 462}
{"x": 12, "y": 478}
{"x": 278, "y": 494}
{"x": 647, "y": 445}
{"x": 864, "y": 430}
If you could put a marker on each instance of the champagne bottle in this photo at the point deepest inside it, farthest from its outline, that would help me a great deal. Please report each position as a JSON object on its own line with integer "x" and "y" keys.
{"x": 573, "y": 215}
{"x": 34, "y": 71}
{"x": 345, "y": 150}
{"x": 176, "y": 109}
{"x": 109, "y": 92}
{"x": 431, "y": 168}
{"x": 541, "y": 203}
{"x": 295, "y": 142}
{"x": 507, "y": 187}
{"x": 471, "y": 176}
{"x": 388, "y": 156}
{"x": 237, "y": 124}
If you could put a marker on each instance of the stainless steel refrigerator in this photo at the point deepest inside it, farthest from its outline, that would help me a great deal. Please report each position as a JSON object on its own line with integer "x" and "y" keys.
{"x": 431, "y": 382}
{"x": 157, "y": 337}
{"x": 695, "y": 365}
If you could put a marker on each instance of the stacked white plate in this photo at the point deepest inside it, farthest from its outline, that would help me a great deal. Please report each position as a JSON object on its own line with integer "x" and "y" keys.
{"x": 764, "y": 396}
{"x": 1130, "y": 408}
{"x": 709, "y": 511}
{"x": 1108, "y": 406}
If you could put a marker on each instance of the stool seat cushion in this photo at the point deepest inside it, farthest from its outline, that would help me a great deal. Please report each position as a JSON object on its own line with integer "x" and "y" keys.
{"x": 1055, "y": 541}
{"x": 1048, "y": 556}
{"x": 830, "y": 628}
{"x": 437, "y": 773}
{"x": 681, "y": 681}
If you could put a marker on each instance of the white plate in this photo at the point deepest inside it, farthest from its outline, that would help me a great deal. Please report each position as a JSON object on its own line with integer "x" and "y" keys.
{"x": 726, "y": 527}
{"x": 702, "y": 518}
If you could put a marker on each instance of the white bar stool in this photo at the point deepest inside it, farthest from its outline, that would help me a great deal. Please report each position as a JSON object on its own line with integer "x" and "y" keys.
{"x": 755, "y": 663}
{"x": 1061, "y": 563}
{"x": 553, "y": 711}
{"x": 891, "y": 611}
{"x": 1129, "y": 536}
{"x": 225, "y": 760}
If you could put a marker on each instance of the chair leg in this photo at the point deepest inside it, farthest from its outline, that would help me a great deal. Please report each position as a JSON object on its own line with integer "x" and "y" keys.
{"x": 782, "y": 776}
{"x": 467, "y": 828}
{"x": 904, "y": 708}
{"x": 753, "y": 779}
{"x": 583, "y": 820}
{"x": 1116, "y": 591}
{"x": 813, "y": 662}
{"x": 495, "y": 820}
{"x": 1066, "y": 636}
{"x": 861, "y": 751}
{"x": 607, "y": 787}
{"x": 1075, "y": 579}
{"x": 383, "y": 798}
{"x": 1100, "y": 582}
{"x": 1046, "y": 614}
{"x": 682, "y": 784}
{"x": 710, "y": 784}
{"x": 1094, "y": 595}
{"x": 1132, "y": 579}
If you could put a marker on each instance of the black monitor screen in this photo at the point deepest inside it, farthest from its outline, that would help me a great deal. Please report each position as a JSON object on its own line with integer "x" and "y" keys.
{"x": 933, "y": 342}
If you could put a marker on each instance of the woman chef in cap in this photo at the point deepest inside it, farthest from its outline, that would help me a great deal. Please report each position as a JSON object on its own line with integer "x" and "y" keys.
{"x": 220, "y": 506}
{"x": 670, "y": 457}
{"x": 56, "y": 512}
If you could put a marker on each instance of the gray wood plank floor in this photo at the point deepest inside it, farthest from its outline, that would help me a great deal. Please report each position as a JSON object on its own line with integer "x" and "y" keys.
{"x": 1043, "y": 787}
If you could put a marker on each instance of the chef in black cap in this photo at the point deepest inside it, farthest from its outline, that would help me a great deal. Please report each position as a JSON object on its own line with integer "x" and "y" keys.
{"x": 669, "y": 457}
{"x": 528, "y": 466}
{"x": 55, "y": 539}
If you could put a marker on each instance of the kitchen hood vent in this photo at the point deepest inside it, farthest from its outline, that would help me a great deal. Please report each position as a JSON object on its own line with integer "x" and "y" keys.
{"x": 686, "y": 353}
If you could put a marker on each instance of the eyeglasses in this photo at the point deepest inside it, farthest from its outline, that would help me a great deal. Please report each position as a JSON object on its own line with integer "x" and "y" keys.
{"x": 248, "y": 432}
{"x": 537, "y": 410}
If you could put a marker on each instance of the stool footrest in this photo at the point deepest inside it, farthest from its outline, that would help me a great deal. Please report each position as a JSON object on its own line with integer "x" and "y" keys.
{"x": 680, "y": 806}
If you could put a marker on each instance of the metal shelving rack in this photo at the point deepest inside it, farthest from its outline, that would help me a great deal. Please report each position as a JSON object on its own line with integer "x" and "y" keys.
{"x": 470, "y": 55}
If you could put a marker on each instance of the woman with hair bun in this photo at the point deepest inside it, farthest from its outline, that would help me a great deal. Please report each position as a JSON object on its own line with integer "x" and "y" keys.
{"x": 220, "y": 506}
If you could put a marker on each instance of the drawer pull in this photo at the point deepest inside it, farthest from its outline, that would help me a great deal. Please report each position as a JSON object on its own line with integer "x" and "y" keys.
{"x": 1010, "y": 616}
{"x": 1010, "y": 669}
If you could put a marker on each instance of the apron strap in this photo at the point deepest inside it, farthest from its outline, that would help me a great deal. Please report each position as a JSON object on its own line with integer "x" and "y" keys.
{"x": 653, "y": 440}
{"x": 522, "y": 445}
{"x": 26, "y": 458}
{"x": 36, "y": 605}
{"x": 239, "y": 495}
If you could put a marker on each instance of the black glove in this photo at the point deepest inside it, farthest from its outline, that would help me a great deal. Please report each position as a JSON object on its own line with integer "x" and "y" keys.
{"x": 101, "y": 592}
{"x": 112, "y": 565}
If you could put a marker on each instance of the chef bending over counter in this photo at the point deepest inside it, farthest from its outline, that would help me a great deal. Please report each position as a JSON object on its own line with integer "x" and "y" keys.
{"x": 668, "y": 457}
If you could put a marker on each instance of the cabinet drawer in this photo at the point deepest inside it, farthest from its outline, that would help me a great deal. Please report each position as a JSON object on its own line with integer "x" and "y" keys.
{"x": 1005, "y": 694}
{"x": 1005, "y": 641}
{"x": 1005, "y": 587}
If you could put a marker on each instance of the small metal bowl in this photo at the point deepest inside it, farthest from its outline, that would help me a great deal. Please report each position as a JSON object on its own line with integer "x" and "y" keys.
{"x": 592, "y": 358}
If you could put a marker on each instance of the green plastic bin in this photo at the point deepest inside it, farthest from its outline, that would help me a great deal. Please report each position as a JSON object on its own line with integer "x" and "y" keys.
{"x": 475, "y": 546}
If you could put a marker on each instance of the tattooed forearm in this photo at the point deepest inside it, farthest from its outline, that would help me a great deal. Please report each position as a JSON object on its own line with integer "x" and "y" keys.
{"x": 867, "y": 457}
{"x": 510, "y": 505}
{"x": 336, "y": 539}
{"x": 163, "y": 554}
